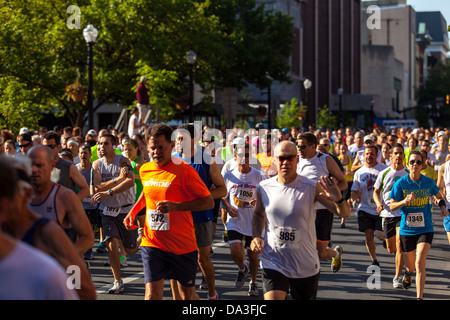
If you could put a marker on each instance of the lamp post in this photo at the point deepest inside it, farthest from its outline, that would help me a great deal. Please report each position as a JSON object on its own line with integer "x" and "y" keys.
{"x": 90, "y": 35}
{"x": 340, "y": 93}
{"x": 191, "y": 58}
{"x": 307, "y": 84}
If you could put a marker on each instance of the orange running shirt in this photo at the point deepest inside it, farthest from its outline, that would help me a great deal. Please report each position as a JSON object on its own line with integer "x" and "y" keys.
{"x": 172, "y": 232}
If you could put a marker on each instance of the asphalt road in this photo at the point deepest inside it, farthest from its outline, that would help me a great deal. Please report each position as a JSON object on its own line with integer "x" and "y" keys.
{"x": 355, "y": 281}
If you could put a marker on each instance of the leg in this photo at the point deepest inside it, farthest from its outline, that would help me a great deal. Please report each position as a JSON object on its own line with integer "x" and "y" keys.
{"x": 399, "y": 258}
{"x": 370, "y": 243}
{"x": 154, "y": 290}
{"x": 422, "y": 252}
{"x": 275, "y": 295}
{"x": 204, "y": 260}
{"x": 253, "y": 264}
{"x": 114, "y": 258}
{"x": 187, "y": 293}
{"x": 236, "y": 251}
{"x": 324, "y": 251}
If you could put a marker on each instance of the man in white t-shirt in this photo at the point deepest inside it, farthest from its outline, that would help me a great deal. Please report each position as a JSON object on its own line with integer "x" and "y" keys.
{"x": 357, "y": 146}
{"x": 363, "y": 187}
{"x": 391, "y": 219}
{"x": 239, "y": 203}
{"x": 285, "y": 203}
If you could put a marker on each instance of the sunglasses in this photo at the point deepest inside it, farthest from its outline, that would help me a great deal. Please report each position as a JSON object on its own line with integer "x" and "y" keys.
{"x": 288, "y": 157}
{"x": 242, "y": 155}
{"x": 303, "y": 147}
{"x": 52, "y": 146}
{"x": 413, "y": 162}
{"x": 24, "y": 145}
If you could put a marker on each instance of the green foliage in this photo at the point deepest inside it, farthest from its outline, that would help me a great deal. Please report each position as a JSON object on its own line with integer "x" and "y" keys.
{"x": 236, "y": 41}
{"x": 326, "y": 119}
{"x": 292, "y": 115}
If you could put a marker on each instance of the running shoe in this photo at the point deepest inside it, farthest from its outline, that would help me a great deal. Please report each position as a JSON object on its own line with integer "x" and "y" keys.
{"x": 253, "y": 289}
{"x": 336, "y": 263}
{"x": 117, "y": 287}
{"x": 240, "y": 279}
{"x": 101, "y": 248}
{"x": 406, "y": 281}
{"x": 397, "y": 282}
{"x": 123, "y": 261}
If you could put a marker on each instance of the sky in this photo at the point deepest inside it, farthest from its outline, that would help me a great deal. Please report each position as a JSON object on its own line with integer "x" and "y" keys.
{"x": 432, "y": 5}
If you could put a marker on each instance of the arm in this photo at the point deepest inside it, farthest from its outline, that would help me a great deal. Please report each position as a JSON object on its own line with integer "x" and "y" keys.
{"x": 328, "y": 194}
{"x": 80, "y": 182}
{"x": 53, "y": 240}
{"x": 124, "y": 182}
{"x": 220, "y": 189}
{"x": 138, "y": 206}
{"x": 377, "y": 199}
{"x": 396, "y": 205}
{"x": 337, "y": 174}
{"x": 258, "y": 224}
{"x": 74, "y": 216}
{"x": 199, "y": 204}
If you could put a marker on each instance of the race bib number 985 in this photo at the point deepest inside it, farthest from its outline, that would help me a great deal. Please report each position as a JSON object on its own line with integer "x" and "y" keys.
{"x": 286, "y": 238}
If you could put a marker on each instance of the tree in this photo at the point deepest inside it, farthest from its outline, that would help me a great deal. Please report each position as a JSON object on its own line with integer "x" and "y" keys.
{"x": 292, "y": 115}
{"x": 39, "y": 52}
{"x": 326, "y": 119}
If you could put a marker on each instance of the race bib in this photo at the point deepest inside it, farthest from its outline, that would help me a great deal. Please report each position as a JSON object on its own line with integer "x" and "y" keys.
{"x": 87, "y": 199}
{"x": 245, "y": 194}
{"x": 111, "y": 211}
{"x": 158, "y": 221}
{"x": 415, "y": 220}
{"x": 285, "y": 238}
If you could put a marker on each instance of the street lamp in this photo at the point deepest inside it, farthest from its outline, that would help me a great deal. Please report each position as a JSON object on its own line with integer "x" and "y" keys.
{"x": 191, "y": 58}
{"x": 307, "y": 84}
{"x": 90, "y": 35}
{"x": 340, "y": 93}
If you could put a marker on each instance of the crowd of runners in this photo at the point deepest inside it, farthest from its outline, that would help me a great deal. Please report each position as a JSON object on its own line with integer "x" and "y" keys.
{"x": 162, "y": 191}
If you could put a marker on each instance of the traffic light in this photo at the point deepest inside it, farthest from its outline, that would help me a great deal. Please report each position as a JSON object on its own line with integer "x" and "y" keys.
{"x": 447, "y": 99}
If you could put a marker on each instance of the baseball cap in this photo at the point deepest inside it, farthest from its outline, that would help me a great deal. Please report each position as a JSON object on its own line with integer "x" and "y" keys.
{"x": 92, "y": 132}
{"x": 23, "y": 130}
{"x": 441, "y": 133}
{"x": 368, "y": 137}
{"x": 24, "y": 137}
{"x": 238, "y": 140}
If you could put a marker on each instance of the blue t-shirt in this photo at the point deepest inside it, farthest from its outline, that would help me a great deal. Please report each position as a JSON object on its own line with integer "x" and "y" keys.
{"x": 416, "y": 216}
{"x": 201, "y": 163}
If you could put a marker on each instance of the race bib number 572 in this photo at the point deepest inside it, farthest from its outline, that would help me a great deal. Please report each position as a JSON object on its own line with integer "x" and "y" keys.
{"x": 157, "y": 220}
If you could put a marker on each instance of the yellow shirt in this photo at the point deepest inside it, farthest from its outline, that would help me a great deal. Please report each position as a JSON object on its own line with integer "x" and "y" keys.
{"x": 347, "y": 168}
{"x": 430, "y": 173}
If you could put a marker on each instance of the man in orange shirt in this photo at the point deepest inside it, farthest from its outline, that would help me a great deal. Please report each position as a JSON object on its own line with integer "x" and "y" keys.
{"x": 171, "y": 191}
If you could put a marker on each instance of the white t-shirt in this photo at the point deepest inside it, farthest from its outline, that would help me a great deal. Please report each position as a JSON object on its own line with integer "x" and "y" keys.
{"x": 353, "y": 150}
{"x": 290, "y": 242}
{"x": 133, "y": 125}
{"x": 28, "y": 274}
{"x": 241, "y": 190}
{"x": 364, "y": 181}
{"x": 232, "y": 163}
{"x": 384, "y": 183}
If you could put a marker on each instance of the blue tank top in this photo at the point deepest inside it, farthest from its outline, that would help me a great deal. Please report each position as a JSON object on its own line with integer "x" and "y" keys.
{"x": 201, "y": 163}
{"x": 29, "y": 236}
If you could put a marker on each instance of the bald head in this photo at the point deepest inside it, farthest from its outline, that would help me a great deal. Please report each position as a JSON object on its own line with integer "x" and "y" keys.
{"x": 285, "y": 148}
{"x": 39, "y": 150}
